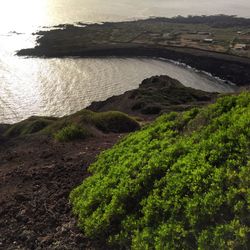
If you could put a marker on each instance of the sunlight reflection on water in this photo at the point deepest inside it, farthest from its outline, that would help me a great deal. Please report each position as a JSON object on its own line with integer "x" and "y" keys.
{"x": 62, "y": 86}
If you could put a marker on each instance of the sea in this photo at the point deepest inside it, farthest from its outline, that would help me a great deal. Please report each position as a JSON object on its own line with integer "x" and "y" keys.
{"x": 58, "y": 87}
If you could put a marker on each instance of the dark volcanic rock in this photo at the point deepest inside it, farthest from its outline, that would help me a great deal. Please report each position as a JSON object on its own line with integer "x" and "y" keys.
{"x": 227, "y": 67}
{"x": 156, "y": 95}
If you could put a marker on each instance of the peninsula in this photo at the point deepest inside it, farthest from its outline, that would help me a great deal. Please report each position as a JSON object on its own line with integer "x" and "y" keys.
{"x": 218, "y": 44}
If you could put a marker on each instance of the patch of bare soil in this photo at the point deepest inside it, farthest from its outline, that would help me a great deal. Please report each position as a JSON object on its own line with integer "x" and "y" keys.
{"x": 36, "y": 177}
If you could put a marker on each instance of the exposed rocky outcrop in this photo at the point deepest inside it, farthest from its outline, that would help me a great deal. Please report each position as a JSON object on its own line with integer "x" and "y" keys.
{"x": 155, "y": 95}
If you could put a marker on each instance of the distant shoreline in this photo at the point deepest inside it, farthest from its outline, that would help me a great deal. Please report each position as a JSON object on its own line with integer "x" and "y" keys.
{"x": 218, "y": 44}
{"x": 230, "y": 68}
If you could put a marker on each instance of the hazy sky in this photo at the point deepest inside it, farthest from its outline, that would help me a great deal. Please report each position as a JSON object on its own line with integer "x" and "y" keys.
{"x": 27, "y": 15}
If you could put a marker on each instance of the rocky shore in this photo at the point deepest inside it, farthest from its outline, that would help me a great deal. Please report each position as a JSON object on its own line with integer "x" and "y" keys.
{"x": 182, "y": 40}
{"x": 227, "y": 67}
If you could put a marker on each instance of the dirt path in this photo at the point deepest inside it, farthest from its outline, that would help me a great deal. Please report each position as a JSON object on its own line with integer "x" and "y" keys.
{"x": 36, "y": 176}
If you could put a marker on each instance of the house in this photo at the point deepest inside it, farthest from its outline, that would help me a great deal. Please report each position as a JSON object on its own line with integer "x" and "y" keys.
{"x": 240, "y": 46}
{"x": 208, "y": 40}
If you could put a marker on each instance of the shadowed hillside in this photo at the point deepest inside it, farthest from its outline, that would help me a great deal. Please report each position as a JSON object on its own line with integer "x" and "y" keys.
{"x": 156, "y": 95}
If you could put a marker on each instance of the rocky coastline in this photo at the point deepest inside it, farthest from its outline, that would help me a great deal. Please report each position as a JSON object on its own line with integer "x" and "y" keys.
{"x": 230, "y": 68}
{"x": 206, "y": 43}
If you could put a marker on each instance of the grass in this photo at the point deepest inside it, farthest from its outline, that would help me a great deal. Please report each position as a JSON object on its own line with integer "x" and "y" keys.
{"x": 80, "y": 125}
{"x": 115, "y": 122}
{"x": 180, "y": 183}
{"x": 70, "y": 133}
{"x": 30, "y": 126}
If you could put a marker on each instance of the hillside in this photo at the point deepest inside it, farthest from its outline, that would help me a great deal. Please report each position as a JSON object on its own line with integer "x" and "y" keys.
{"x": 180, "y": 183}
{"x": 81, "y": 125}
{"x": 43, "y": 158}
{"x": 156, "y": 95}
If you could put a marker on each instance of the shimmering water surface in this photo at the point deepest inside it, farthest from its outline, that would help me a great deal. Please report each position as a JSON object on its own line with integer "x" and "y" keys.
{"x": 57, "y": 87}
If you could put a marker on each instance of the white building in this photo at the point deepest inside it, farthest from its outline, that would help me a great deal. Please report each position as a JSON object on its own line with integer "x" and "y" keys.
{"x": 208, "y": 40}
{"x": 240, "y": 46}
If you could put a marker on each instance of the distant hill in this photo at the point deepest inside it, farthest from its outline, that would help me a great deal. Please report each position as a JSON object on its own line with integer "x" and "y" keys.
{"x": 219, "y": 21}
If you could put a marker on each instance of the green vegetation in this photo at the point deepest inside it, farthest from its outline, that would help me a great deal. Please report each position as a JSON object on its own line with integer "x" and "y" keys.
{"x": 115, "y": 122}
{"x": 30, "y": 126}
{"x": 71, "y": 132}
{"x": 180, "y": 183}
{"x": 77, "y": 126}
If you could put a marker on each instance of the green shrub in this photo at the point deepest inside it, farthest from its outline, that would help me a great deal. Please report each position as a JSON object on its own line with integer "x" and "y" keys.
{"x": 30, "y": 126}
{"x": 114, "y": 121}
{"x": 171, "y": 186}
{"x": 70, "y": 133}
{"x": 106, "y": 122}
